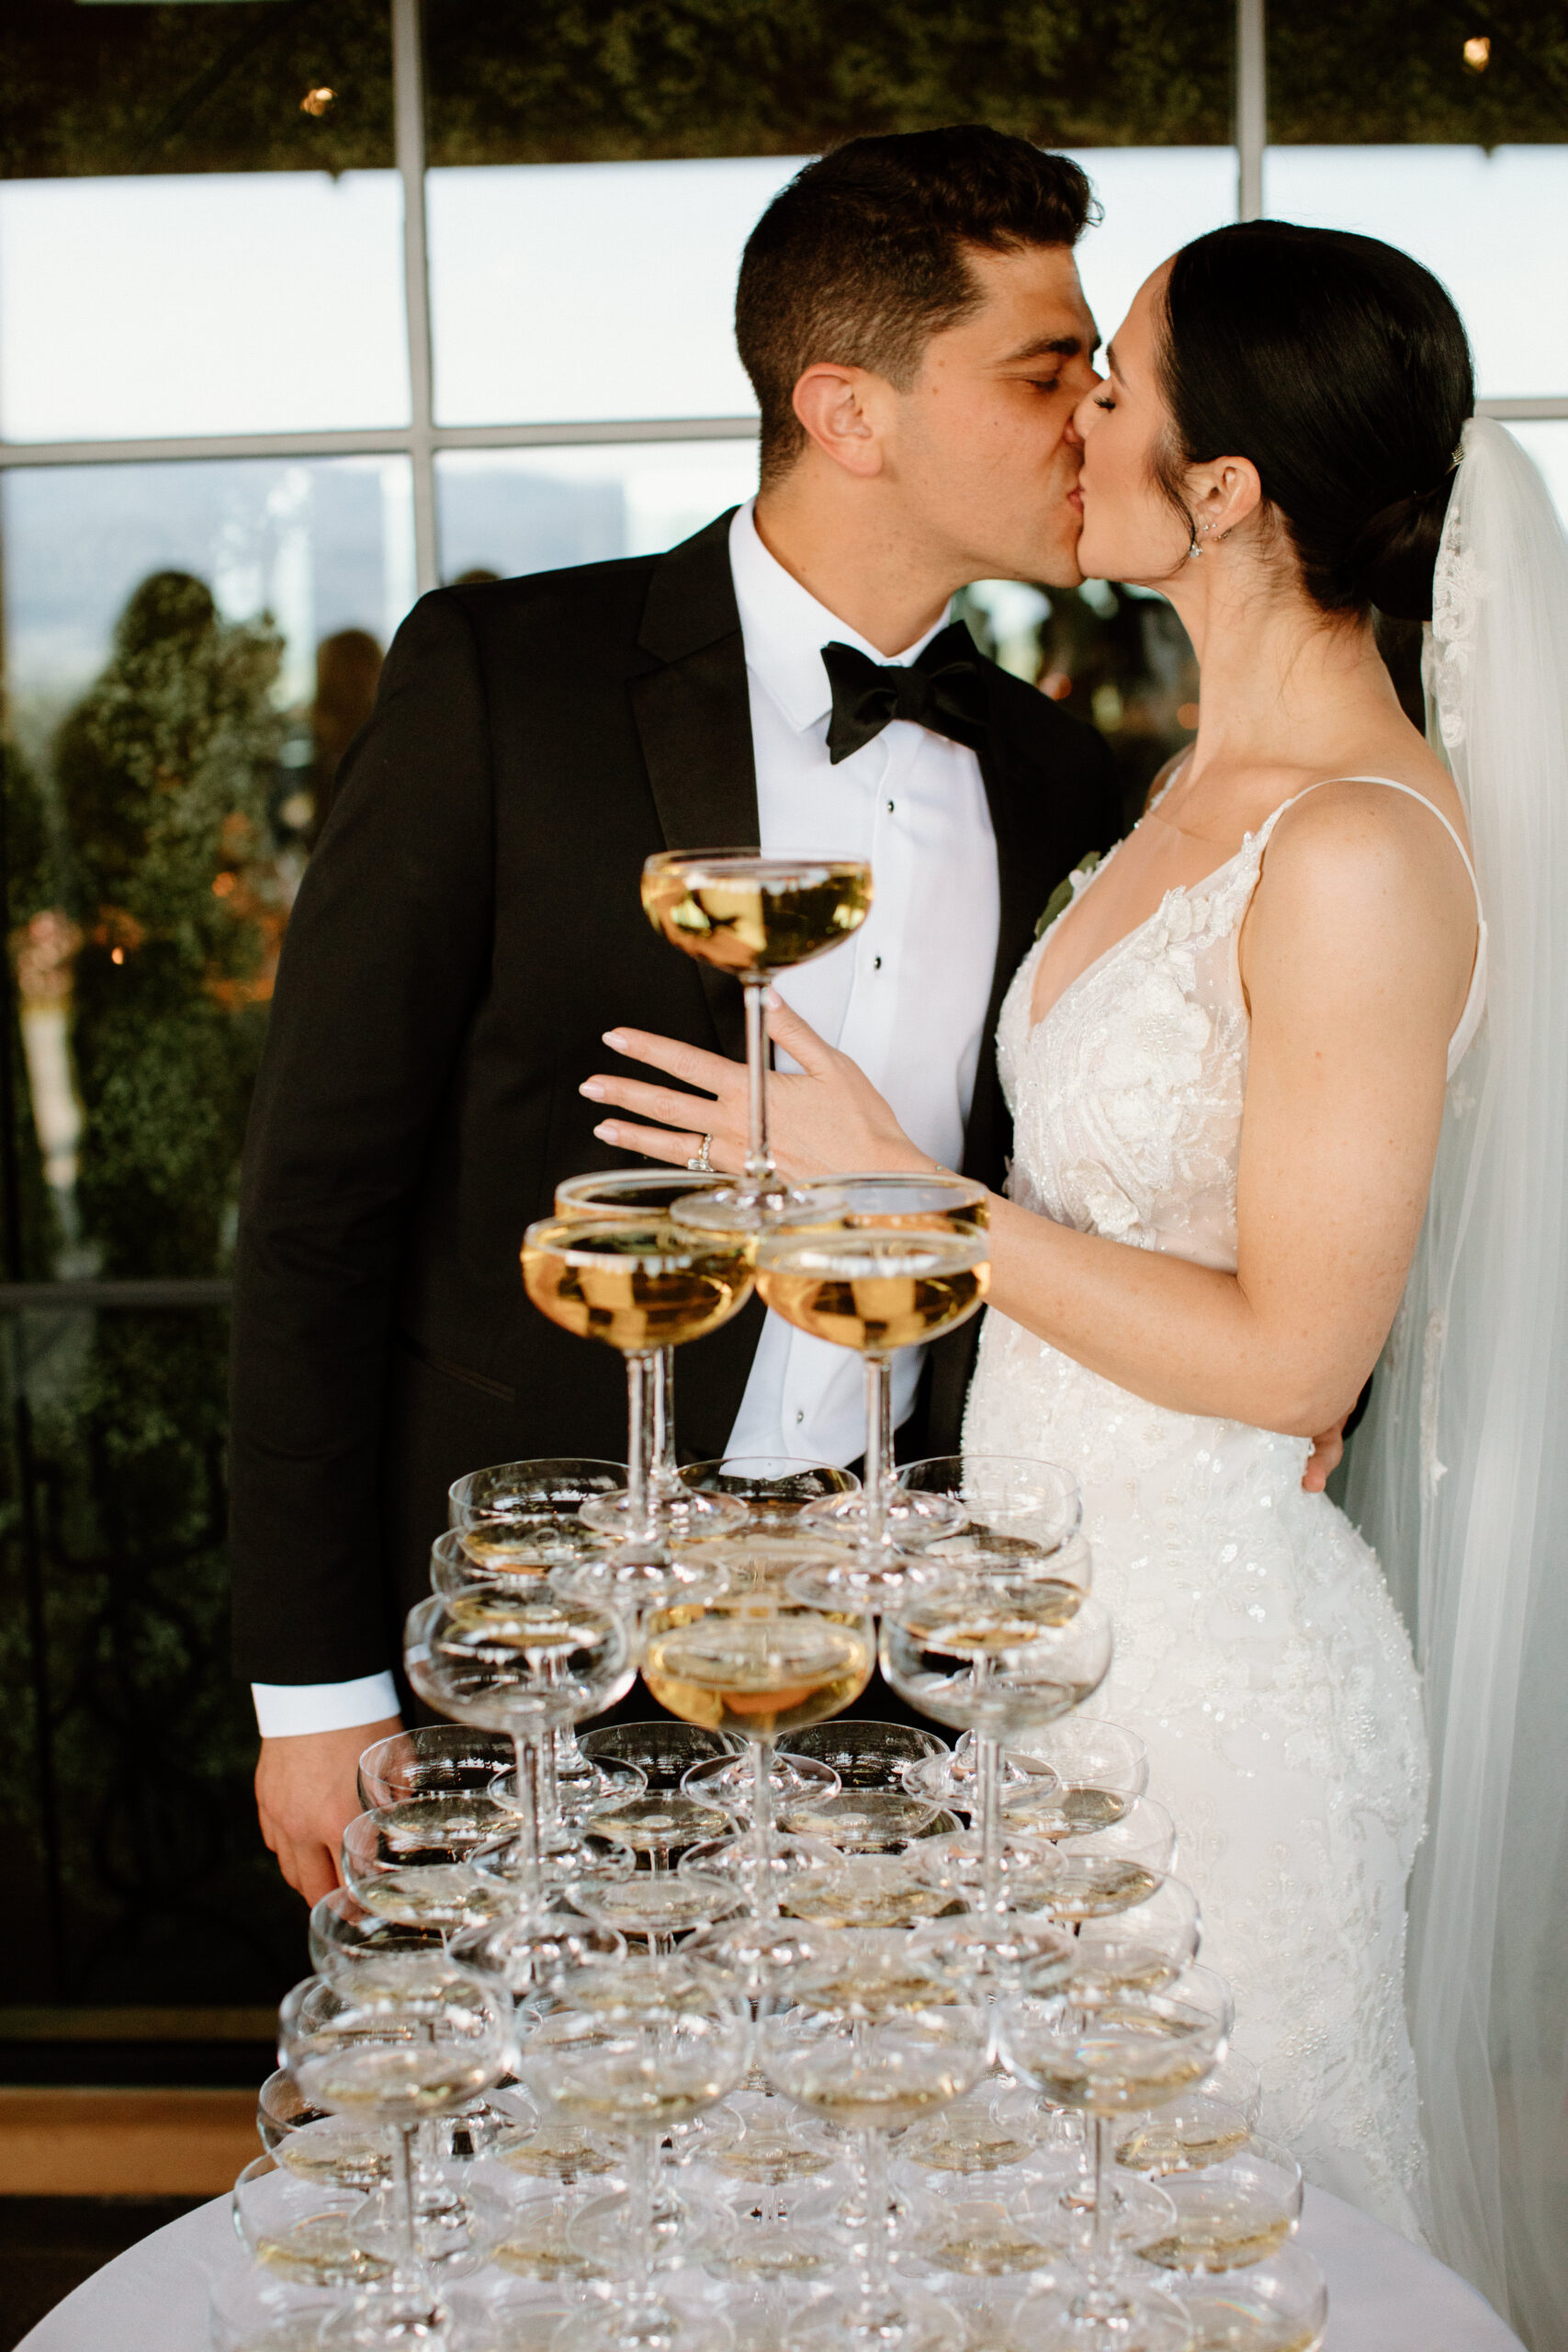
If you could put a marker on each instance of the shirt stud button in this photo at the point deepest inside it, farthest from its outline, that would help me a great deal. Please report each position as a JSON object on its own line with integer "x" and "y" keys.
{"x": 800, "y": 1416}
{"x": 890, "y": 807}
{"x": 876, "y": 963}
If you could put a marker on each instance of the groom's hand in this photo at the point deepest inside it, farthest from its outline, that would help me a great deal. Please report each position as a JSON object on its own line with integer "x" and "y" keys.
{"x": 1325, "y": 1458}
{"x": 307, "y": 1793}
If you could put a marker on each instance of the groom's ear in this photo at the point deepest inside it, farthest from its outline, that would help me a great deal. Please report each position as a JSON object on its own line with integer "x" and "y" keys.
{"x": 844, "y": 412}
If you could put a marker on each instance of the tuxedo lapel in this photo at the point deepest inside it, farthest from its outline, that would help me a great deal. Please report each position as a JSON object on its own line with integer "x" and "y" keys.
{"x": 693, "y": 717}
{"x": 1021, "y": 896}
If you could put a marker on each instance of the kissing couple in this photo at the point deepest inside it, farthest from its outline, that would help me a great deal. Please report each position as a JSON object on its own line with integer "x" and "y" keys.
{"x": 1230, "y": 1101}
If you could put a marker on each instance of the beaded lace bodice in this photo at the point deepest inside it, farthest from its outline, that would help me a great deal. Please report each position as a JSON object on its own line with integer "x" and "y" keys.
{"x": 1257, "y": 1652}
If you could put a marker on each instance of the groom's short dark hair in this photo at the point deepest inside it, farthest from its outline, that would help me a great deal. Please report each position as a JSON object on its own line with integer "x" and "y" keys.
{"x": 861, "y": 259}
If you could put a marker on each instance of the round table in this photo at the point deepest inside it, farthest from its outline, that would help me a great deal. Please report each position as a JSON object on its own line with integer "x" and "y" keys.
{"x": 1385, "y": 2294}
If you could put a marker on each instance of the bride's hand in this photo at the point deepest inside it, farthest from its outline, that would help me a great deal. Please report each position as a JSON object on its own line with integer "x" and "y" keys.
{"x": 825, "y": 1120}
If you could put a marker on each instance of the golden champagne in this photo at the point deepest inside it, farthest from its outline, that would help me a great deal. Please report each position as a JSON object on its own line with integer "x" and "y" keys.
{"x": 1185, "y": 2143}
{"x": 432, "y": 1894}
{"x": 1096, "y": 1886}
{"x": 874, "y": 1290}
{"x": 630, "y": 1192}
{"x": 860, "y": 2096}
{"x": 861, "y": 1821}
{"x": 320, "y": 2250}
{"x": 773, "y": 2158}
{"x": 761, "y": 1674}
{"x": 344, "y": 2154}
{"x": 537, "y": 2245}
{"x": 1122, "y": 2059}
{"x": 874, "y": 1891}
{"x": 961, "y": 2143}
{"x": 634, "y": 1284}
{"x": 752, "y": 914}
{"x": 1084, "y": 1810}
{"x": 560, "y": 2151}
{"x": 1220, "y": 2227}
{"x": 1229, "y": 2326}
{"x": 398, "y": 2079}
{"x": 985, "y": 2244}
{"x": 653, "y": 1825}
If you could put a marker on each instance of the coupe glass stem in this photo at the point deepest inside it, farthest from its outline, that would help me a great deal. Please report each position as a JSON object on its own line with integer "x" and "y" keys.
{"x": 525, "y": 1847}
{"x": 640, "y": 2194}
{"x": 640, "y": 1386}
{"x": 758, "y": 1152}
{"x": 880, "y": 1469}
{"x": 666, "y": 1477}
{"x": 766, "y": 1905}
{"x": 1102, "y": 2245}
{"x": 986, "y": 1760}
{"x": 411, "y": 2283}
{"x": 877, "y": 2283}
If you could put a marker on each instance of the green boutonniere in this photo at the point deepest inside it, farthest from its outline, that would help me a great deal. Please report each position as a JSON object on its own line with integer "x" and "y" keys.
{"x": 1065, "y": 891}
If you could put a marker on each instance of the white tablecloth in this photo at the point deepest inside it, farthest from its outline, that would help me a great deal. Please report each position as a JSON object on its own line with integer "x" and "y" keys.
{"x": 1386, "y": 2295}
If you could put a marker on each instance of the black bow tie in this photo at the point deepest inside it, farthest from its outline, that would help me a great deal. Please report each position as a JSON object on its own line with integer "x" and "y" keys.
{"x": 942, "y": 689}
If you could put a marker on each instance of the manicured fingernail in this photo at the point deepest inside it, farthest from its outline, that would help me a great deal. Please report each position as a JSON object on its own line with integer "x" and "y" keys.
{"x": 591, "y": 1087}
{"x": 607, "y": 1131}
{"x": 615, "y": 1038}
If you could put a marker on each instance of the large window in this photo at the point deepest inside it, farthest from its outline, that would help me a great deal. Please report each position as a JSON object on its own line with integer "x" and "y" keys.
{"x": 304, "y": 309}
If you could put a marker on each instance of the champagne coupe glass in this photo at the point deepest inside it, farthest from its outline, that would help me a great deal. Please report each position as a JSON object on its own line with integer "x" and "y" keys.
{"x": 1008, "y": 1510}
{"x": 553, "y": 1485}
{"x": 315, "y": 2145}
{"x": 875, "y": 1291}
{"x": 771, "y": 1489}
{"x": 1104, "y": 2057}
{"x": 397, "y": 2052}
{"x": 760, "y": 1667}
{"x": 755, "y": 915}
{"x": 638, "y": 1286}
{"x": 345, "y": 1933}
{"x": 1282, "y": 2305}
{"x": 875, "y": 2045}
{"x": 414, "y": 1863}
{"x": 637, "y": 2047}
{"x": 1106, "y": 1870}
{"x": 1101, "y": 1768}
{"x": 429, "y": 1761}
{"x": 1202, "y": 2128}
{"x": 650, "y": 1192}
{"x": 1229, "y": 2214}
{"x": 725, "y": 1781}
{"x": 877, "y": 1812}
{"x": 994, "y": 1659}
{"x": 663, "y": 1752}
{"x": 521, "y": 1666}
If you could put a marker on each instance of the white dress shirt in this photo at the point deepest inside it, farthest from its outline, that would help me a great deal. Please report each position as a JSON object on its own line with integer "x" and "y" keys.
{"x": 905, "y": 998}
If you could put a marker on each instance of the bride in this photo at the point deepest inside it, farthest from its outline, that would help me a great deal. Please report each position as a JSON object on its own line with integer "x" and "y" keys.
{"x": 1228, "y": 1061}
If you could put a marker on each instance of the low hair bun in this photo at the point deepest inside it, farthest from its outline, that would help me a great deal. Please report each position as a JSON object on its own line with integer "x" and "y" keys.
{"x": 1392, "y": 560}
{"x": 1340, "y": 368}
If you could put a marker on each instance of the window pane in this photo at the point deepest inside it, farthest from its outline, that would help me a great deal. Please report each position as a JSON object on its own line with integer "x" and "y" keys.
{"x": 256, "y": 302}
{"x": 1483, "y": 223}
{"x": 601, "y": 290}
{"x": 1155, "y": 198}
{"x": 704, "y": 77}
{"x": 505, "y": 511}
{"x": 1369, "y": 71}
{"x": 89, "y": 91}
{"x": 1546, "y": 442}
{"x": 592, "y": 291}
{"x": 189, "y": 650}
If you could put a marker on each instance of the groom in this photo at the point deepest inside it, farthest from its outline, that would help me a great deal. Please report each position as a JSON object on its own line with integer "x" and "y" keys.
{"x": 909, "y": 312}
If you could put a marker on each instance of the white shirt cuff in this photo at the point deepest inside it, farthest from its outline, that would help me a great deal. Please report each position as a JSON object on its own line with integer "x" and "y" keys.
{"x": 285, "y": 1710}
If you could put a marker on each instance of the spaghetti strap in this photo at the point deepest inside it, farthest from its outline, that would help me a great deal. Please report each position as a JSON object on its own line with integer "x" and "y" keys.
{"x": 1475, "y": 1001}
{"x": 1411, "y": 794}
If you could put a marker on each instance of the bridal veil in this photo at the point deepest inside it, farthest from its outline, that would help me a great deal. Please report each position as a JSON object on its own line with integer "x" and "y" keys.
{"x": 1460, "y": 1475}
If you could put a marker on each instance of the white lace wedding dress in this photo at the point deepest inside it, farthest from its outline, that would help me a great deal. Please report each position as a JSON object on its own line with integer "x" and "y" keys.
{"x": 1257, "y": 1651}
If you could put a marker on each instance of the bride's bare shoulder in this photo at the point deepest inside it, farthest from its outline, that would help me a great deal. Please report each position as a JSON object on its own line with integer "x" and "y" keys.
{"x": 1367, "y": 875}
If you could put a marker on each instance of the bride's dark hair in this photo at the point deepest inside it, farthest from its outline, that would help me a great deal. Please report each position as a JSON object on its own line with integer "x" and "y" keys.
{"x": 1341, "y": 368}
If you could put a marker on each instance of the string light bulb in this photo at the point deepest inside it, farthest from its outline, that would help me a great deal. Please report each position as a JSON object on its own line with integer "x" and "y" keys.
{"x": 1478, "y": 52}
{"x": 317, "y": 101}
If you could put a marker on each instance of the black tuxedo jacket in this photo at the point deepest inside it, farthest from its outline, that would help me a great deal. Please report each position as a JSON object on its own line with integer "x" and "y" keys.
{"x": 468, "y": 928}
